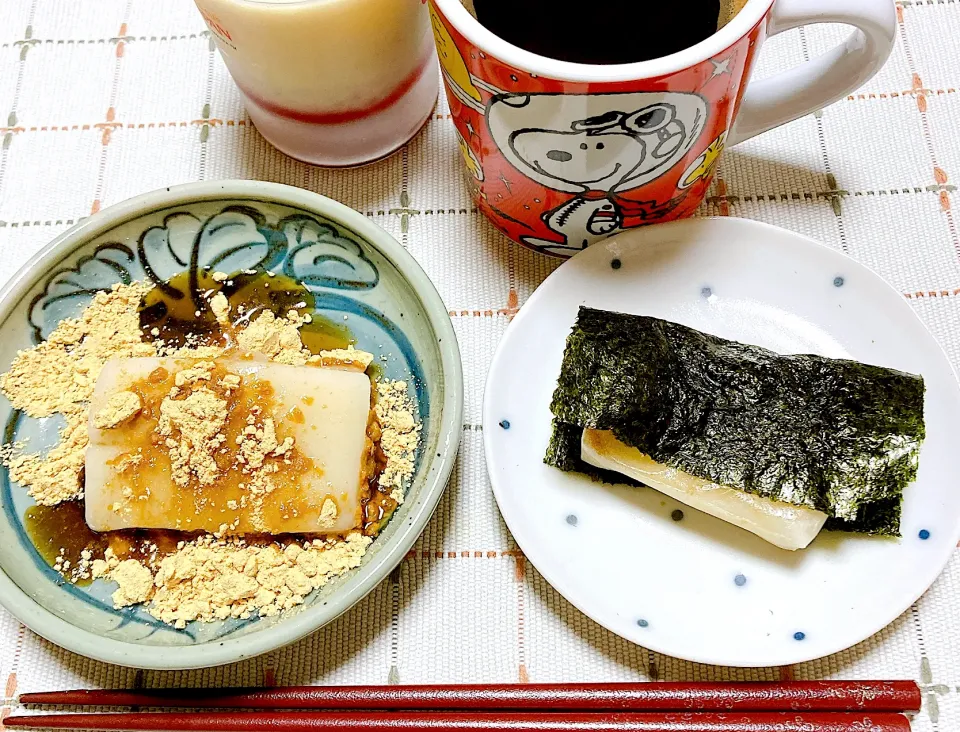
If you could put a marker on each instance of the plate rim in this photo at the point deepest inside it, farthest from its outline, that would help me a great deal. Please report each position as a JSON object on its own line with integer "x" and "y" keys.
{"x": 634, "y": 238}
{"x": 215, "y": 653}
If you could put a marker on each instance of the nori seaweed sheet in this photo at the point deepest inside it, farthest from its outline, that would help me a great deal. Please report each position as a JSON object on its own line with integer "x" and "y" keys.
{"x": 836, "y": 435}
{"x": 564, "y": 452}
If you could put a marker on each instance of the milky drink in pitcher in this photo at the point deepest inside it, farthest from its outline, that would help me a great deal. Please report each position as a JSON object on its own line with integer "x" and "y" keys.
{"x": 330, "y": 82}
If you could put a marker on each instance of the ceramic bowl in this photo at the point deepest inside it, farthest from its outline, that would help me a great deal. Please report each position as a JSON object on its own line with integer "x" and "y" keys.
{"x": 357, "y": 272}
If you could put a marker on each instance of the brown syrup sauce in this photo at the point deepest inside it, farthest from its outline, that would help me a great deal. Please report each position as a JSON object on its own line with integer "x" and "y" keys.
{"x": 171, "y": 310}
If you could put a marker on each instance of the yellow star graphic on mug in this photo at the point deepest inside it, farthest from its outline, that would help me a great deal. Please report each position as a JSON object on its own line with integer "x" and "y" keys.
{"x": 705, "y": 162}
{"x": 450, "y": 58}
{"x": 473, "y": 165}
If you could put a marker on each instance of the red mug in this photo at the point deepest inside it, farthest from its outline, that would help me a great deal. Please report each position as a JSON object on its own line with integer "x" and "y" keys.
{"x": 561, "y": 155}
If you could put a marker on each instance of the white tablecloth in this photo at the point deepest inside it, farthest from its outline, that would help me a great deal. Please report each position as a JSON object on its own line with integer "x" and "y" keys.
{"x": 104, "y": 99}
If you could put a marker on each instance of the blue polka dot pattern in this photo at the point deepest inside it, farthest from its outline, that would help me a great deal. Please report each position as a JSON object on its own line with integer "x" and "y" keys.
{"x": 740, "y": 580}
{"x": 799, "y": 635}
{"x": 505, "y": 424}
{"x": 572, "y": 520}
{"x": 838, "y": 281}
{"x": 642, "y": 623}
{"x": 924, "y": 534}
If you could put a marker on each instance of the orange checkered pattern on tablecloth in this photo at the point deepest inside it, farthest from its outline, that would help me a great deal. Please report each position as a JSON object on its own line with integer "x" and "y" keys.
{"x": 104, "y": 99}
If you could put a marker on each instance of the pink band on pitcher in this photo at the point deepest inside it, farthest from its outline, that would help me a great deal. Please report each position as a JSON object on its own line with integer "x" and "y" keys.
{"x": 350, "y": 115}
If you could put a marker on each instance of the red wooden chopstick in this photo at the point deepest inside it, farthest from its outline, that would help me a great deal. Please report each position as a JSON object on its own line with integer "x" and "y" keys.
{"x": 825, "y": 696}
{"x": 313, "y": 721}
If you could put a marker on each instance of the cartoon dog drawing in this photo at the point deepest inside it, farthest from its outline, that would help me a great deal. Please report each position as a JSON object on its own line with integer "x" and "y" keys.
{"x": 595, "y": 147}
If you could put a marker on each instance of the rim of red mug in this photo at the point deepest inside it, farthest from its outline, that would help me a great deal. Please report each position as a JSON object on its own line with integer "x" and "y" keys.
{"x": 470, "y": 28}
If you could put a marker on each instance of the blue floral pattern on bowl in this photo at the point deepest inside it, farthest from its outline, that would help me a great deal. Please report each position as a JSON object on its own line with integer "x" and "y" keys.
{"x": 352, "y": 282}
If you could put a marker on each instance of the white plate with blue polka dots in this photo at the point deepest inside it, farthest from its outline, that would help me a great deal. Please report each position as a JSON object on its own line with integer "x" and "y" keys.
{"x": 666, "y": 576}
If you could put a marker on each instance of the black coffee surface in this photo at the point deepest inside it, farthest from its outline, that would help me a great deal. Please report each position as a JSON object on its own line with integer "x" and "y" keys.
{"x": 600, "y": 31}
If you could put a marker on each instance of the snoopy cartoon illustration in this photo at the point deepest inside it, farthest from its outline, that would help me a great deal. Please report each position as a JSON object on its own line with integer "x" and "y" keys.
{"x": 595, "y": 147}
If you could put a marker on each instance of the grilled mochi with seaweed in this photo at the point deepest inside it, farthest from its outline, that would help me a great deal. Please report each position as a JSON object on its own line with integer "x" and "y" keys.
{"x": 780, "y": 445}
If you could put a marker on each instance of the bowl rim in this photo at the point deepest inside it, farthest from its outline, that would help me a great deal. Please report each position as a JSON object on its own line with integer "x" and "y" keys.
{"x": 214, "y": 653}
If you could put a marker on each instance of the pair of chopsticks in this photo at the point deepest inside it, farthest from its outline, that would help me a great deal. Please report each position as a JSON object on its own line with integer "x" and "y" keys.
{"x": 796, "y": 706}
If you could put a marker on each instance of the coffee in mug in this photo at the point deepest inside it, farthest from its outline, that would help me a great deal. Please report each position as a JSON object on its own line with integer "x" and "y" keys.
{"x": 618, "y": 32}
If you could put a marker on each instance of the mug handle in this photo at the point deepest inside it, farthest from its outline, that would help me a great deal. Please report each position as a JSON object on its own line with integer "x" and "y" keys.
{"x": 816, "y": 83}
